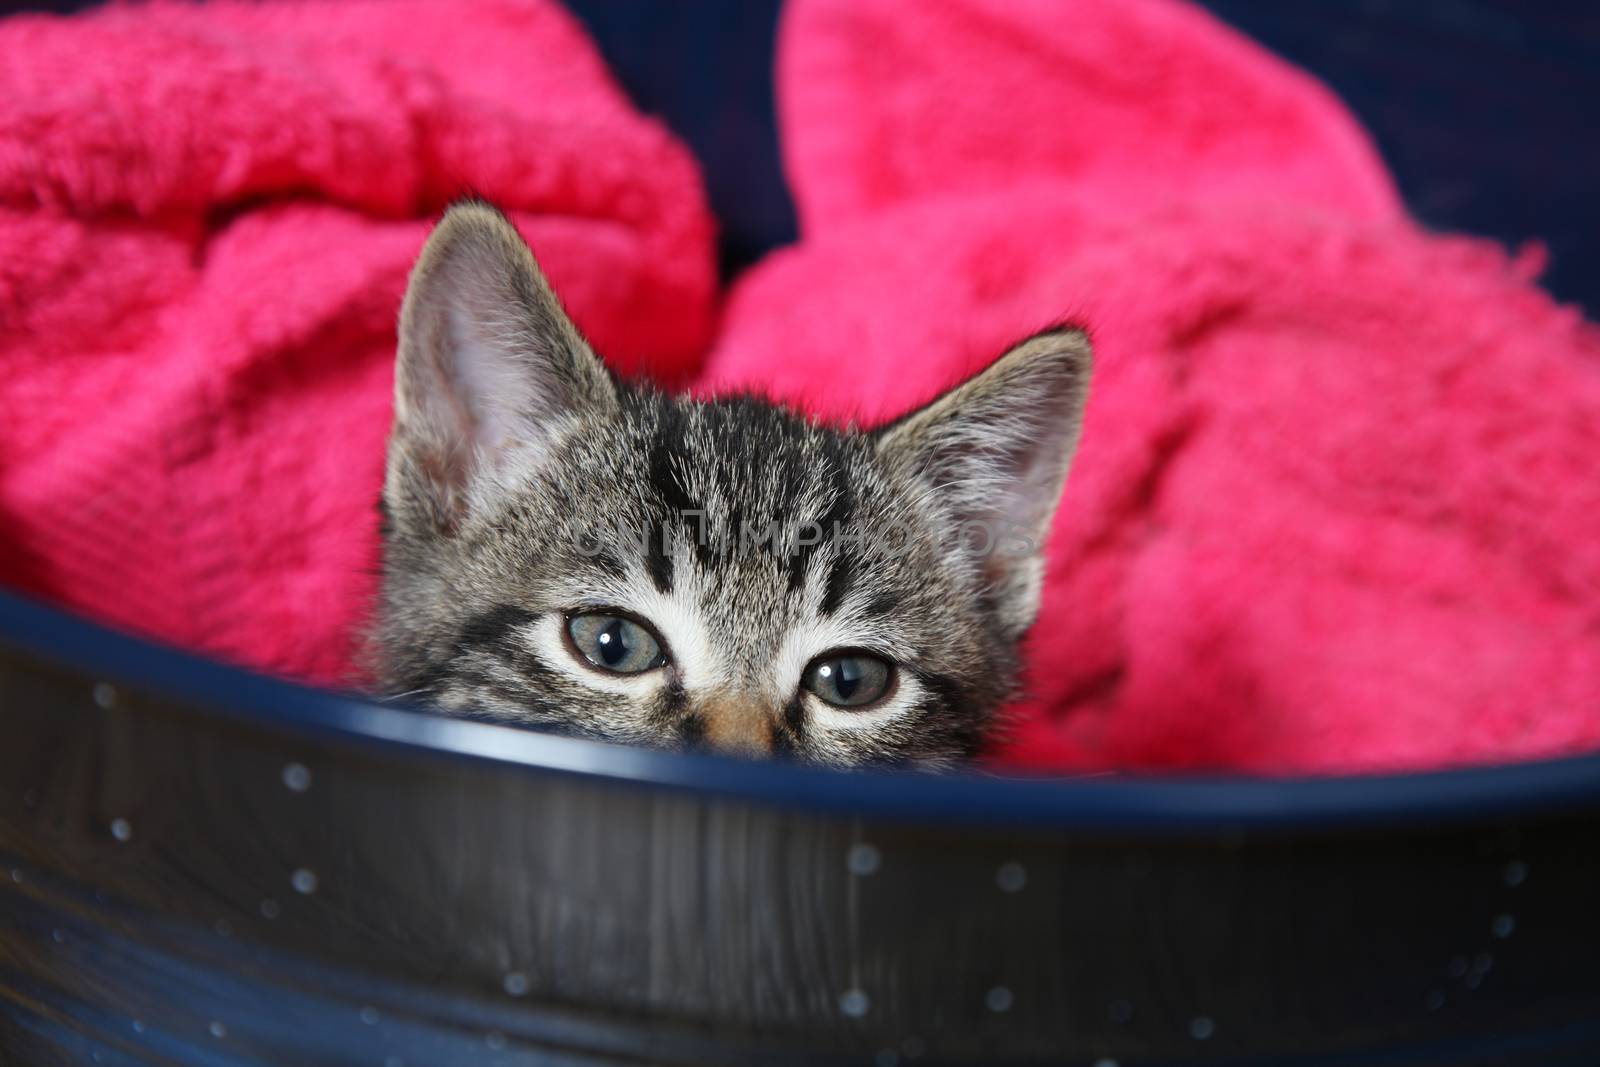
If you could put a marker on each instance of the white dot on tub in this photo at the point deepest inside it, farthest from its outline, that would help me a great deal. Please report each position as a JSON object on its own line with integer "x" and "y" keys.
{"x": 854, "y": 1003}
{"x": 369, "y": 1015}
{"x": 515, "y": 983}
{"x": 58, "y": 937}
{"x": 304, "y": 881}
{"x": 1201, "y": 1027}
{"x": 270, "y": 909}
{"x": 1011, "y": 877}
{"x": 218, "y": 1029}
{"x": 122, "y": 829}
{"x": 1503, "y": 926}
{"x": 999, "y": 999}
{"x": 1515, "y": 874}
{"x": 105, "y": 695}
{"x": 863, "y": 859}
{"x": 138, "y": 1026}
{"x": 296, "y": 777}
{"x": 16, "y": 875}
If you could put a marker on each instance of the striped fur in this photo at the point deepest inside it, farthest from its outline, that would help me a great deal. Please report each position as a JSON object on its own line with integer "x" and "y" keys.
{"x": 524, "y": 482}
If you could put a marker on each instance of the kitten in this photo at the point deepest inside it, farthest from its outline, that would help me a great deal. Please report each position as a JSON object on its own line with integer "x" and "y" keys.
{"x": 566, "y": 550}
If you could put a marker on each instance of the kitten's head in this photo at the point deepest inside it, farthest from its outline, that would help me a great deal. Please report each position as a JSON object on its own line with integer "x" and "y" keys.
{"x": 566, "y": 550}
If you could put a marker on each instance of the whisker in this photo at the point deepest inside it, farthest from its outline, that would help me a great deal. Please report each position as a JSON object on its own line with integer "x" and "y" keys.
{"x": 389, "y": 697}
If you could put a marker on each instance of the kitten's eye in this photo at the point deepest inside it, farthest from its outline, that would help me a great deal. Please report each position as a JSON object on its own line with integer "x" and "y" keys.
{"x": 849, "y": 679}
{"x": 614, "y": 643}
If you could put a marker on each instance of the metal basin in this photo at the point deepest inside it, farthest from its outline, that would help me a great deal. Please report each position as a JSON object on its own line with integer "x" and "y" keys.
{"x": 203, "y": 866}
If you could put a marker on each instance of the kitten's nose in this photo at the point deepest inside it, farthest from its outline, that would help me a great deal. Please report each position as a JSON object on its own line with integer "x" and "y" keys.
{"x": 734, "y": 724}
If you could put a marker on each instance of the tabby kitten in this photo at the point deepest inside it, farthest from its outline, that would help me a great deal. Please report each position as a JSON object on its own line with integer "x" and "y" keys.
{"x": 566, "y": 550}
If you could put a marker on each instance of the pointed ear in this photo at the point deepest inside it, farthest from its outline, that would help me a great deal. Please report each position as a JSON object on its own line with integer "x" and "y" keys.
{"x": 996, "y": 450}
{"x": 489, "y": 368}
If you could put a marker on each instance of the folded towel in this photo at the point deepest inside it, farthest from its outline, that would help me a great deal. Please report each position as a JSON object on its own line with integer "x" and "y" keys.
{"x": 1335, "y": 504}
{"x": 206, "y": 217}
{"x": 1337, "y": 500}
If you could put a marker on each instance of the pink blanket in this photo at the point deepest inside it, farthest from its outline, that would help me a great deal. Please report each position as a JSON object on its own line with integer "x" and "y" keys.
{"x": 206, "y": 219}
{"x": 1337, "y": 502}
{"x": 1336, "y": 505}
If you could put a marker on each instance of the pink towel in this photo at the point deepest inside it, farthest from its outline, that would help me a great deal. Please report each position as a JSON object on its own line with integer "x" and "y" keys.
{"x": 1338, "y": 499}
{"x": 206, "y": 217}
{"x": 1336, "y": 504}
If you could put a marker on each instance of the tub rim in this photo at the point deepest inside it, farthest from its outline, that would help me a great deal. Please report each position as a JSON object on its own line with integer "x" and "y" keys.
{"x": 1113, "y": 804}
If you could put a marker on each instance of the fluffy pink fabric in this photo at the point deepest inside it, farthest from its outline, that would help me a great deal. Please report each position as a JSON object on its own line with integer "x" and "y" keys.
{"x": 206, "y": 217}
{"x": 1336, "y": 504}
{"x": 1337, "y": 500}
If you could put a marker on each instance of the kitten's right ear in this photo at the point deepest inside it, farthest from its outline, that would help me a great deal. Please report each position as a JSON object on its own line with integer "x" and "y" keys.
{"x": 996, "y": 449}
{"x": 489, "y": 366}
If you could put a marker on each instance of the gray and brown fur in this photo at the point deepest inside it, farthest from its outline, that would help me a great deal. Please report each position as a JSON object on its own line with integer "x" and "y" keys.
{"x": 512, "y": 443}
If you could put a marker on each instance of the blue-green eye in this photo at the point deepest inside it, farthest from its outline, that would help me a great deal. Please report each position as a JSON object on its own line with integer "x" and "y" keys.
{"x": 849, "y": 679}
{"x": 614, "y": 643}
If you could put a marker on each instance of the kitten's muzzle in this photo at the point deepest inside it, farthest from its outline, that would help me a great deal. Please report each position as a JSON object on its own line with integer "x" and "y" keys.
{"x": 734, "y": 724}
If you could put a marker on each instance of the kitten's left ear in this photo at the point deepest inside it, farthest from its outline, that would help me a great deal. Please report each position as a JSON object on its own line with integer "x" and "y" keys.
{"x": 489, "y": 370}
{"x": 996, "y": 449}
